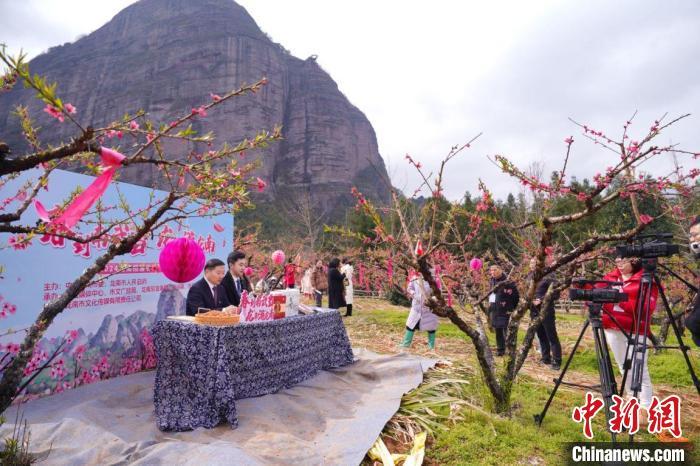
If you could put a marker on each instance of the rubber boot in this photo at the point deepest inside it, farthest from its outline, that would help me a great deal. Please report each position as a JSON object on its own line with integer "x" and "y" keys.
{"x": 407, "y": 338}
{"x": 431, "y": 340}
{"x": 348, "y": 312}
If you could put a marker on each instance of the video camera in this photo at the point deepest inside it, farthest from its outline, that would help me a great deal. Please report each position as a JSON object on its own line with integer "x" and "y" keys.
{"x": 596, "y": 291}
{"x": 648, "y": 246}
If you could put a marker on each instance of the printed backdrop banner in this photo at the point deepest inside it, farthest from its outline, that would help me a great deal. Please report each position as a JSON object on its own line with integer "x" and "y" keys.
{"x": 104, "y": 332}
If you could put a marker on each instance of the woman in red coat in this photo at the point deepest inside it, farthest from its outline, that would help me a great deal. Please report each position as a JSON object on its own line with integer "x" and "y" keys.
{"x": 290, "y": 274}
{"x": 629, "y": 271}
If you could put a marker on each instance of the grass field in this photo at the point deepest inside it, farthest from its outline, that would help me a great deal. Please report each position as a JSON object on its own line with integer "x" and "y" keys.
{"x": 475, "y": 436}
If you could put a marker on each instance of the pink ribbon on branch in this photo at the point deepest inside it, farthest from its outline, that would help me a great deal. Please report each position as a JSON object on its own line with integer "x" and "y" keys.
{"x": 111, "y": 160}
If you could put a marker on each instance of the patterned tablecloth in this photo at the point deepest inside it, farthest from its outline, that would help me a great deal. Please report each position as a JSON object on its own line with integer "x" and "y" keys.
{"x": 203, "y": 369}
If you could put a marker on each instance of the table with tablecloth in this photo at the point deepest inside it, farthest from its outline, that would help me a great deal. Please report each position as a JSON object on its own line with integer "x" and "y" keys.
{"x": 203, "y": 369}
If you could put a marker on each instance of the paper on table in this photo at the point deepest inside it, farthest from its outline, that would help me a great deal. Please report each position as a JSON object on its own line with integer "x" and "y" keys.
{"x": 182, "y": 318}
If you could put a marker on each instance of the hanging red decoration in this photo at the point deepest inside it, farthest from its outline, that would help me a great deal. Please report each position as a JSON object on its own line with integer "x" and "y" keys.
{"x": 181, "y": 260}
{"x": 278, "y": 257}
{"x": 476, "y": 263}
{"x": 419, "y": 248}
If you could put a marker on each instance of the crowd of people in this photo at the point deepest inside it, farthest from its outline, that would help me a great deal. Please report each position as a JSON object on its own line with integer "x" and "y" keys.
{"x": 220, "y": 289}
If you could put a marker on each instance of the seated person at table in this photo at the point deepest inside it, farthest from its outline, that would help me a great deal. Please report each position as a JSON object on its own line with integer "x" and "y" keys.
{"x": 235, "y": 282}
{"x": 208, "y": 292}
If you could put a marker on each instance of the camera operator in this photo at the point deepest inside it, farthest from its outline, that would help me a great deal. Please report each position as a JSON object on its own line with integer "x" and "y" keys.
{"x": 692, "y": 319}
{"x": 547, "y": 330}
{"x": 629, "y": 271}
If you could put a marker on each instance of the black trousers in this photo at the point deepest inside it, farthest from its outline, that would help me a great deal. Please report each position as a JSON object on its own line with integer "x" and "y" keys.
{"x": 318, "y": 295}
{"x": 501, "y": 340}
{"x": 549, "y": 340}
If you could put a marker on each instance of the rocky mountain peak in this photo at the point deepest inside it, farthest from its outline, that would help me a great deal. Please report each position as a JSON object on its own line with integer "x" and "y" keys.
{"x": 166, "y": 56}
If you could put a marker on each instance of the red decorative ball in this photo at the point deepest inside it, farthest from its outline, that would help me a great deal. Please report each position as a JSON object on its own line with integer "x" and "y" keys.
{"x": 248, "y": 271}
{"x": 476, "y": 263}
{"x": 181, "y": 260}
{"x": 278, "y": 257}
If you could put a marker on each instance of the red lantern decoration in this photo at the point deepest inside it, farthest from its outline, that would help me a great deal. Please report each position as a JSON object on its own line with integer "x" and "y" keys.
{"x": 419, "y": 248}
{"x": 278, "y": 257}
{"x": 181, "y": 260}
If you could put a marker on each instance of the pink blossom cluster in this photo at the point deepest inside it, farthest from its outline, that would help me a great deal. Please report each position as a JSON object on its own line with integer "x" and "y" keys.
{"x": 58, "y": 369}
{"x": 130, "y": 366}
{"x": 12, "y": 348}
{"x": 201, "y": 111}
{"x": 62, "y": 386}
{"x": 35, "y": 362}
{"x": 595, "y": 133}
{"x": 19, "y": 242}
{"x": 361, "y": 201}
{"x": 71, "y": 335}
{"x": 114, "y": 133}
{"x": 7, "y": 309}
{"x": 57, "y": 113}
{"x": 413, "y": 162}
{"x": 149, "y": 350}
{"x": 79, "y": 352}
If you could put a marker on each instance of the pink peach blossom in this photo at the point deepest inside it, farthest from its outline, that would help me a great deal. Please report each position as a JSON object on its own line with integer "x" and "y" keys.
{"x": 54, "y": 112}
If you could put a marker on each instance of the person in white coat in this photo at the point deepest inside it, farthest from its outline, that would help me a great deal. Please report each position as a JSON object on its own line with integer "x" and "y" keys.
{"x": 420, "y": 317}
{"x": 306, "y": 288}
{"x": 348, "y": 271}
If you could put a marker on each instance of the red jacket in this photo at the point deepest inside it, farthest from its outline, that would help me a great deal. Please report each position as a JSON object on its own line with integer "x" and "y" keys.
{"x": 289, "y": 270}
{"x": 624, "y": 312}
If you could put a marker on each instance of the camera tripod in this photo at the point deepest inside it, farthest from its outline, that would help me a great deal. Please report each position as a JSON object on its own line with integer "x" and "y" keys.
{"x": 636, "y": 362}
{"x": 608, "y": 386}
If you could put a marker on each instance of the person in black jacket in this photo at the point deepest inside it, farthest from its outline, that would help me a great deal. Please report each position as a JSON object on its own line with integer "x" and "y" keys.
{"x": 336, "y": 291}
{"x": 207, "y": 292}
{"x": 692, "y": 318}
{"x": 235, "y": 282}
{"x": 547, "y": 330}
{"x": 502, "y": 301}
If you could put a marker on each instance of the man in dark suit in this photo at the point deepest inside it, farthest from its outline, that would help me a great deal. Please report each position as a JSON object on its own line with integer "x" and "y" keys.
{"x": 208, "y": 292}
{"x": 235, "y": 282}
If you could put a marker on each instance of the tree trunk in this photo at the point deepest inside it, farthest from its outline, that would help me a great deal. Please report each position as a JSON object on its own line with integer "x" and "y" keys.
{"x": 500, "y": 396}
